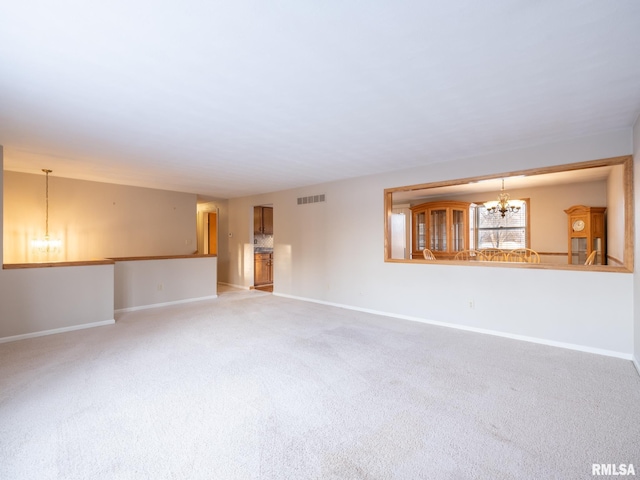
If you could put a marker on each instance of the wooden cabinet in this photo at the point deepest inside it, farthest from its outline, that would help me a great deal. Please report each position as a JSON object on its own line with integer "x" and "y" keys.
{"x": 263, "y": 269}
{"x": 586, "y": 234}
{"x": 442, "y": 227}
{"x": 263, "y": 220}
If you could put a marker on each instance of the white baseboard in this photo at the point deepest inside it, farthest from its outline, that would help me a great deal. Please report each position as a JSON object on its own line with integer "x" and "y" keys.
{"x": 164, "y": 304}
{"x": 636, "y": 363}
{"x": 56, "y": 330}
{"x": 552, "y": 343}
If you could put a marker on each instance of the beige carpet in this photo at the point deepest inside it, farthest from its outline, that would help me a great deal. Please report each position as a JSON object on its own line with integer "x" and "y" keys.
{"x": 252, "y": 386}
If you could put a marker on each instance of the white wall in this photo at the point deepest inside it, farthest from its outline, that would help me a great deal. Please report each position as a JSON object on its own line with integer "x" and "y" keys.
{"x": 144, "y": 283}
{"x": 334, "y": 252}
{"x": 636, "y": 289}
{"x": 38, "y": 300}
{"x": 95, "y": 220}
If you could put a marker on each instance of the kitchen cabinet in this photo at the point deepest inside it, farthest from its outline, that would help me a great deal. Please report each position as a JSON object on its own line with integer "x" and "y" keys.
{"x": 586, "y": 234}
{"x": 442, "y": 227}
{"x": 263, "y": 220}
{"x": 263, "y": 269}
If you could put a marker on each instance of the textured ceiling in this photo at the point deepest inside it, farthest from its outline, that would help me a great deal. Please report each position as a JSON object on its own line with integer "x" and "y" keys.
{"x": 229, "y": 98}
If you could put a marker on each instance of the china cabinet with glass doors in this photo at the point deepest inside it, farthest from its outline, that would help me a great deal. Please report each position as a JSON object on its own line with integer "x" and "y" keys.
{"x": 442, "y": 227}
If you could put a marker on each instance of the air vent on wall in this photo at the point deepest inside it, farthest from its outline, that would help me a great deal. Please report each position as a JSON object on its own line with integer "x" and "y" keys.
{"x": 311, "y": 199}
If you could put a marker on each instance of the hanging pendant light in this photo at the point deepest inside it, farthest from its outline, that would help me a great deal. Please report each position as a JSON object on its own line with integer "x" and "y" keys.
{"x": 503, "y": 205}
{"x": 46, "y": 244}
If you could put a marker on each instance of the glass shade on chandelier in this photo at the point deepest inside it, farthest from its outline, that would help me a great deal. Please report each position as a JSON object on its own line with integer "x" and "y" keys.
{"x": 504, "y": 204}
{"x": 46, "y": 244}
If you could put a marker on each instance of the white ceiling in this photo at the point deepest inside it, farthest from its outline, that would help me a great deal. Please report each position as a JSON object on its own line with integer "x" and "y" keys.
{"x": 229, "y": 98}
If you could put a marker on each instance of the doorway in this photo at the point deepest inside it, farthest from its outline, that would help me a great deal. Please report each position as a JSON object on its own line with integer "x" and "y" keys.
{"x": 212, "y": 237}
{"x": 263, "y": 247}
{"x": 401, "y": 232}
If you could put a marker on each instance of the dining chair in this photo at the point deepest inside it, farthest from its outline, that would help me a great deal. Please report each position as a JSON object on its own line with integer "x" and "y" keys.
{"x": 524, "y": 255}
{"x": 499, "y": 257}
{"x": 591, "y": 258}
{"x": 490, "y": 252}
{"x": 470, "y": 255}
{"x": 514, "y": 257}
{"x": 428, "y": 254}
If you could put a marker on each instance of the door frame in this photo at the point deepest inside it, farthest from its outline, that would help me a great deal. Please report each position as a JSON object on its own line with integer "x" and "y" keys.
{"x": 254, "y": 243}
{"x": 207, "y": 243}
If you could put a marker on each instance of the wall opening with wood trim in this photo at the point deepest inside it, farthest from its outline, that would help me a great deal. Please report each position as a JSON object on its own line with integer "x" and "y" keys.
{"x": 548, "y": 193}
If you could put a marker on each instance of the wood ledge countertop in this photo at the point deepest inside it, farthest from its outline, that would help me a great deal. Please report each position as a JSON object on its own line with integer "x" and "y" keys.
{"x": 162, "y": 257}
{"x": 15, "y": 266}
{"x": 106, "y": 261}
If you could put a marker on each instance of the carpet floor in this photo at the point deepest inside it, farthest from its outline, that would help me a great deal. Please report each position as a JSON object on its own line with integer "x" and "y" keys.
{"x": 255, "y": 386}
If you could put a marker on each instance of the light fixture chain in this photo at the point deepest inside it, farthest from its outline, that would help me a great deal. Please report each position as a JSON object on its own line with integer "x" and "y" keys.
{"x": 46, "y": 212}
{"x": 46, "y": 245}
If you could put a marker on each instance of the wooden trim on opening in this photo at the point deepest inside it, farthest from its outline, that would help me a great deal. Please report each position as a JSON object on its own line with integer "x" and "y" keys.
{"x": 538, "y": 266}
{"x": 16, "y": 266}
{"x": 162, "y": 257}
{"x": 629, "y": 229}
{"x": 388, "y": 203}
{"x": 106, "y": 261}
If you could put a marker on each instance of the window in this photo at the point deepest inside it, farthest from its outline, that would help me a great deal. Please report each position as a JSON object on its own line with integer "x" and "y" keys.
{"x": 492, "y": 230}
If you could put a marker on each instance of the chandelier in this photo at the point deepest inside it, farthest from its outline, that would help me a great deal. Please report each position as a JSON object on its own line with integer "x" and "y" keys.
{"x": 503, "y": 204}
{"x": 46, "y": 244}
